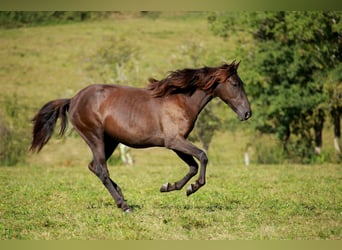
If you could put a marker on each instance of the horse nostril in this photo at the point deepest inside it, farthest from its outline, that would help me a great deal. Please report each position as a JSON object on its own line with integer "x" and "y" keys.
{"x": 248, "y": 114}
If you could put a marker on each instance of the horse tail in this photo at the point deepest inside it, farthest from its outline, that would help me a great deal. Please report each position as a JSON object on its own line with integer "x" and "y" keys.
{"x": 45, "y": 121}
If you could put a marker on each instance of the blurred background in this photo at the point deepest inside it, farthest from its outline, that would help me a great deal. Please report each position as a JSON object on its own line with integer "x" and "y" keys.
{"x": 290, "y": 64}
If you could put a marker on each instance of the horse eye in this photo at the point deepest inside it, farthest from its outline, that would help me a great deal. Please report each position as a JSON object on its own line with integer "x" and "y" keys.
{"x": 235, "y": 84}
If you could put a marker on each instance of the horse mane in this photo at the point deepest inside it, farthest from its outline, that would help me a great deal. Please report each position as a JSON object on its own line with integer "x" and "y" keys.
{"x": 186, "y": 81}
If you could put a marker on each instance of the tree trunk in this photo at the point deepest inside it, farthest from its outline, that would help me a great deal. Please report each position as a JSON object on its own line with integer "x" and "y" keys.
{"x": 318, "y": 127}
{"x": 286, "y": 140}
{"x": 336, "y": 117}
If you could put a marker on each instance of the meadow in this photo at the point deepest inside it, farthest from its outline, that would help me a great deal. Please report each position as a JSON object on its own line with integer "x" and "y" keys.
{"x": 259, "y": 202}
{"x": 53, "y": 195}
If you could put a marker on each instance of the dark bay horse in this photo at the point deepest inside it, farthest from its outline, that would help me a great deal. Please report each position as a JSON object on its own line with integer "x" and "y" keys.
{"x": 162, "y": 114}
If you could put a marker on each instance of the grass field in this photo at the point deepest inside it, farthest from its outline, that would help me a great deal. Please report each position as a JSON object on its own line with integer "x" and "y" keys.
{"x": 54, "y": 196}
{"x": 259, "y": 202}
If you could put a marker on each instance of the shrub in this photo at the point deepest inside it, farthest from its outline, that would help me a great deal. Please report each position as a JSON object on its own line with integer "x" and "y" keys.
{"x": 12, "y": 146}
{"x": 15, "y": 19}
{"x": 268, "y": 151}
{"x": 13, "y": 134}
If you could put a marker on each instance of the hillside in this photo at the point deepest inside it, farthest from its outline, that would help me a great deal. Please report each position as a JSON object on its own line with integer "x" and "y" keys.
{"x": 49, "y": 62}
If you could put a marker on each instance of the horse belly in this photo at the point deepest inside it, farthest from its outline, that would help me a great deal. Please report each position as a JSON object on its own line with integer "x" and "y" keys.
{"x": 134, "y": 129}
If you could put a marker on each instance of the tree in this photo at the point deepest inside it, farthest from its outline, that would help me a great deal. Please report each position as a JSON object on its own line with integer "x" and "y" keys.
{"x": 334, "y": 90}
{"x": 295, "y": 52}
{"x": 115, "y": 61}
{"x": 14, "y": 19}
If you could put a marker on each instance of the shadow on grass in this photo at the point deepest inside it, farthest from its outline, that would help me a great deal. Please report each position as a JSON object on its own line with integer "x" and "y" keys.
{"x": 108, "y": 204}
{"x": 210, "y": 207}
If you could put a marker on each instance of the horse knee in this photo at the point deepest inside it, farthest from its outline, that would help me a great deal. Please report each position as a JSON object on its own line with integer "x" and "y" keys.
{"x": 203, "y": 158}
{"x": 92, "y": 168}
{"x": 193, "y": 170}
{"x": 99, "y": 171}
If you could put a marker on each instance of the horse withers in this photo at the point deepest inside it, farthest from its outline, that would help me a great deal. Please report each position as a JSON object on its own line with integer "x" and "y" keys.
{"x": 159, "y": 115}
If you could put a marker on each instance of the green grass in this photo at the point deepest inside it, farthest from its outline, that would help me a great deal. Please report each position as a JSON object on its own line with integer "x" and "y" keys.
{"x": 259, "y": 202}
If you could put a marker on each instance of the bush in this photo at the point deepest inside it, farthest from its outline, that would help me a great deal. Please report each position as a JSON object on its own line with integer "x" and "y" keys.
{"x": 15, "y": 19}
{"x": 12, "y": 150}
{"x": 114, "y": 61}
{"x": 268, "y": 151}
{"x": 13, "y": 134}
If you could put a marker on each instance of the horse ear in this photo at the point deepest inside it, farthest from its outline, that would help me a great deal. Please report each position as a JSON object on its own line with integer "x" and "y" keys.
{"x": 236, "y": 65}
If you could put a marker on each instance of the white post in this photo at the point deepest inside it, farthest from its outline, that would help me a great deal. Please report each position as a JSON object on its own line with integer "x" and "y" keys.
{"x": 246, "y": 158}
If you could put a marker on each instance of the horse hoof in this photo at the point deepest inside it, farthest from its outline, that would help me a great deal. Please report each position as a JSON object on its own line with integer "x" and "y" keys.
{"x": 165, "y": 187}
{"x": 128, "y": 210}
{"x": 189, "y": 190}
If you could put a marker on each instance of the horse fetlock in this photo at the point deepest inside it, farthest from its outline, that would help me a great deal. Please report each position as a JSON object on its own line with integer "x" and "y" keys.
{"x": 190, "y": 190}
{"x": 165, "y": 187}
{"x": 123, "y": 205}
{"x": 200, "y": 182}
{"x": 194, "y": 187}
{"x": 128, "y": 210}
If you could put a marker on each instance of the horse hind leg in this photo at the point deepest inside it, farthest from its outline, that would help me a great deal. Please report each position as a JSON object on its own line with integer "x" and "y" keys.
{"x": 112, "y": 187}
{"x": 110, "y": 145}
{"x": 193, "y": 169}
{"x": 99, "y": 167}
{"x": 102, "y": 150}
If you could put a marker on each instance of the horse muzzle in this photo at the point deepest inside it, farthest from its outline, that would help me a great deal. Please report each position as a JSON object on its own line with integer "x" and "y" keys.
{"x": 243, "y": 116}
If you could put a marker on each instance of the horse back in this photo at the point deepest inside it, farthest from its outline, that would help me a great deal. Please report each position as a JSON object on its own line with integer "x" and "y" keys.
{"x": 129, "y": 115}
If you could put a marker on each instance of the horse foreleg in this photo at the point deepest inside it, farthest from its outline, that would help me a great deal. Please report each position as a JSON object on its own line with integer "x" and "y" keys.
{"x": 202, "y": 175}
{"x": 193, "y": 168}
{"x": 185, "y": 147}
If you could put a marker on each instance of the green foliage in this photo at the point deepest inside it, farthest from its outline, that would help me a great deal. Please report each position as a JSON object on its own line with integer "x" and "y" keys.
{"x": 13, "y": 143}
{"x": 333, "y": 87}
{"x": 294, "y": 55}
{"x": 115, "y": 61}
{"x": 267, "y": 151}
{"x": 150, "y": 14}
{"x": 294, "y": 58}
{"x": 226, "y": 24}
{"x": 15, "y": 19}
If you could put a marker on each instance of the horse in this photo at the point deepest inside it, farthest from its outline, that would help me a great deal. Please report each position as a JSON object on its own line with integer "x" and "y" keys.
{"x": 161, "y": 114}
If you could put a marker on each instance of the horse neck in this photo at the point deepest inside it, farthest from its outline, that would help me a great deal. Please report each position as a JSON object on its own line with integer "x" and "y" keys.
{"x": 198, "y": 100}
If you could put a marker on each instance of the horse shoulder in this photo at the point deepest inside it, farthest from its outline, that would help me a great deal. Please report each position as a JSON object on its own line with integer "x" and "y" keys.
{"x": 176, "y": 116}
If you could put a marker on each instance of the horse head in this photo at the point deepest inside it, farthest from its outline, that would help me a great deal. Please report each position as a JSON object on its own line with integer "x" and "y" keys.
{"x": 230, "y": 89}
